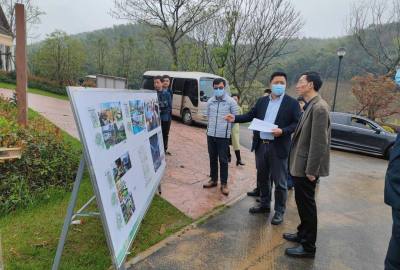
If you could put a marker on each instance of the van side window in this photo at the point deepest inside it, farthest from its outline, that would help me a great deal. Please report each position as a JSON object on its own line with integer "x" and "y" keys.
{"x": 148, "y": 83}
{"x": 191, "y": 90}
{"x": 177, "y": 86}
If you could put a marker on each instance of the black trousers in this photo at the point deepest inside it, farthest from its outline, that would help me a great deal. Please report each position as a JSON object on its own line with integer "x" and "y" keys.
{"x": 271, "y": 169}
{"x": 392, "y": 261}
{"x": 307, "y": 208}
{"x": 218, "y": 150}
{"x": 165, "y": 126}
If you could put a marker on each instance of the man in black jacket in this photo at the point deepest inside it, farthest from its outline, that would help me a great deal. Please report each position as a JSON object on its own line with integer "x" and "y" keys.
{"x": 392, "y": 198}
{"x": 272, "y": 148}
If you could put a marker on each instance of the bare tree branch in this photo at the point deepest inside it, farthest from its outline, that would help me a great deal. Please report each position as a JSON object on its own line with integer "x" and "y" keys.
{"x": 32, "y": 11}
{"x": 174, "y": 18}
{"x": 376, "y": 27}
{"x": 259, "y": 30}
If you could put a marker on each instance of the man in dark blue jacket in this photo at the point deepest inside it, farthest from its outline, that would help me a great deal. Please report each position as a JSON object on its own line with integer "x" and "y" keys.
{"x": 392, "y": 198}
{"x": 165, "y": 103}
{"x": 272, "y": 148}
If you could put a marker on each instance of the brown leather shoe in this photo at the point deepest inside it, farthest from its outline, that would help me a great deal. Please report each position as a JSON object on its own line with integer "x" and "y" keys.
{"x": 210, "y": 184}
{"x": 225, "y": 190}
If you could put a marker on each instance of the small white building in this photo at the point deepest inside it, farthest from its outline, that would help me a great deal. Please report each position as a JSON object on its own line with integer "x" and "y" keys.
{"x": 6, "y": 44}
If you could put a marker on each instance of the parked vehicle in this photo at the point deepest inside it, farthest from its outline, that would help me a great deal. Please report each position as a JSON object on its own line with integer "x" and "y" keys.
{"x": 353, "y": 132}
{"x": 191, "y": 93}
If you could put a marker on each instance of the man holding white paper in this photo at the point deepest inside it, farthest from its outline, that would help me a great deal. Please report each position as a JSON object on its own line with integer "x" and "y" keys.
{"x": 275, "y": 118}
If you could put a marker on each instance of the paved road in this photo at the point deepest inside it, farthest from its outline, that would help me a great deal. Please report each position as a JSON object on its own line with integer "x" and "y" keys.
{"x": 354, "y": 227}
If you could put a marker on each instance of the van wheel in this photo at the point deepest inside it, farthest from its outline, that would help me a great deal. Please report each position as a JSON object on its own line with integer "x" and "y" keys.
{"x": 187, "y": 117}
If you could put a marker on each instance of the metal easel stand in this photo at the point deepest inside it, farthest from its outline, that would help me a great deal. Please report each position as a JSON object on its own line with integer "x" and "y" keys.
{"x": 70, "y": 217}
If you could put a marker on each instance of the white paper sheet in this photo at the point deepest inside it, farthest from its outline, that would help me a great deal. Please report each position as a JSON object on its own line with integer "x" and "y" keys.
{"x": 262, "y": 126}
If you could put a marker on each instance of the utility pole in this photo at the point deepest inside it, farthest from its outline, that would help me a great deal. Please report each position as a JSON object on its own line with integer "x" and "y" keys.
{"x": 21, "y": 67}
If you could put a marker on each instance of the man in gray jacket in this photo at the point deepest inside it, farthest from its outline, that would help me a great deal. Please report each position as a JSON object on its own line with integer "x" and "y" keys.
{"x": 309, "y": 160}
{"x": 219, "y": 133}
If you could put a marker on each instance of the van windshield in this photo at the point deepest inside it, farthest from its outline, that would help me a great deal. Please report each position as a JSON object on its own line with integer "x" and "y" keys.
{"x": 206, "y": 85}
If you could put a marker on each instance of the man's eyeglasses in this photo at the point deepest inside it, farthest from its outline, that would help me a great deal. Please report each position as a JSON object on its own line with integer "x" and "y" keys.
{"x": 220, "y": 88}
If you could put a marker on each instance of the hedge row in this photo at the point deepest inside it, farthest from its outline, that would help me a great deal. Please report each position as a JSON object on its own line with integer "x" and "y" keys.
{"x": 34, "y": 82}
{"x": 47, "y": 160}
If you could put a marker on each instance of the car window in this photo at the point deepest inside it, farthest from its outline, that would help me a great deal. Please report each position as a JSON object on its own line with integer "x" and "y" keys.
{"x": 340, "y": 119}
{"x": 361, "y": 123}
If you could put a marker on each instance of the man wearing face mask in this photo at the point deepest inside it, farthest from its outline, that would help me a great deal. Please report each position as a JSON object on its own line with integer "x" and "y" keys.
{"x": 219, "y": 133}
{"x": 272, "y": 149}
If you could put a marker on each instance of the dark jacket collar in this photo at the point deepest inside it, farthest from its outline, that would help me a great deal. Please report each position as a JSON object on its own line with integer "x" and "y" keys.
{"x": 265, "y": 103}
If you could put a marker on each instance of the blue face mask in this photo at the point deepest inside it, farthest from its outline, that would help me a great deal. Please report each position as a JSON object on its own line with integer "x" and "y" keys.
{"x": 397, "y": 77}
{"x": 278, "y": 89}
{"x": 219, "y": 92}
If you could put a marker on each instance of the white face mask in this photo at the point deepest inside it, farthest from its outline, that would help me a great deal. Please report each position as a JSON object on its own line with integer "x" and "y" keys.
{"x": 278, "y": 89}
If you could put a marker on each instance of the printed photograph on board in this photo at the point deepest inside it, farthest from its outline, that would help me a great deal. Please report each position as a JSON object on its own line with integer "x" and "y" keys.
{"x": 152, "y": 114}
{"x": 126, "y": 200}
{"x": 155, "y": 151}
{"x": 136, "y": 109}
{"x": 121, "y": 166}
{"x": 111, "y": 121}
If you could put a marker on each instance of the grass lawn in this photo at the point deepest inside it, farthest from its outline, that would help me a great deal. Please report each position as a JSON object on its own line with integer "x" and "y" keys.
{"x": 34, "y": 91}
{"x": 30, "y": 236}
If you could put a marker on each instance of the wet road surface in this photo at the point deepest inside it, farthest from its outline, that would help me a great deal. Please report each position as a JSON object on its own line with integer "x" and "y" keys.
{"x": 353, "y": 231}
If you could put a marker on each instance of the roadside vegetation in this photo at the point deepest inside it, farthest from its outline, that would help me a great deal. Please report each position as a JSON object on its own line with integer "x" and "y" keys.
{"x": 34, "y": 194}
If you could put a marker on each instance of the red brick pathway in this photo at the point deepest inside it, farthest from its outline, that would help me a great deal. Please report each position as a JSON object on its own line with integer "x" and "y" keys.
{"x": 187, "y": 168}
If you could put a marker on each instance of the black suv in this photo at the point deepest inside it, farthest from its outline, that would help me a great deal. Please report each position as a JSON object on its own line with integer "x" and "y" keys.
{"x": 353, "y": 132}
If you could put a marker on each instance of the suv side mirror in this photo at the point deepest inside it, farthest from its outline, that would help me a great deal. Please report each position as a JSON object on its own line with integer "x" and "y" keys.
{"x": 378, "y": 131}
{"x": 201, "y": 93}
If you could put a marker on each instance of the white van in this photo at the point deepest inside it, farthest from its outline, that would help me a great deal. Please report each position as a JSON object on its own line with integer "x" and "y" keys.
{"x": 191, "y": 93}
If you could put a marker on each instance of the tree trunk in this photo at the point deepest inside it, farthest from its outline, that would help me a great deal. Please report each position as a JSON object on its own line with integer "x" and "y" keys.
{"x": 174, "y": 51}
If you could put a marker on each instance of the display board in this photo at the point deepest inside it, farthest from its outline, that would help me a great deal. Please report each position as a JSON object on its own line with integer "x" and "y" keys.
{"x": 121, "y": 134}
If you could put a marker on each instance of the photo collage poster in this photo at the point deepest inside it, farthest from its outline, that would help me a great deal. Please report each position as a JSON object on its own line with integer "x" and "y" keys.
{"x": 122, "y": 135}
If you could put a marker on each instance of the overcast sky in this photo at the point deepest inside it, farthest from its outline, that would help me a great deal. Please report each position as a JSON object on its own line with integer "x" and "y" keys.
{"x": 323, "y": 18}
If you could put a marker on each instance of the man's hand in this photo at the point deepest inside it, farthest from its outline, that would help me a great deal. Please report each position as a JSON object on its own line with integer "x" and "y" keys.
{"x": 312, "y": 178}
{"x": 277, "y": 132}
{"x": 230, "y": 118}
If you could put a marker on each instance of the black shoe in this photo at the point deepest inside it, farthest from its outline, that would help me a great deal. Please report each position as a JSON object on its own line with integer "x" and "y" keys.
{"x": 239, "y": 162}
{"x": 254, "y": 193}
{"x": 238, "y": 158}
{"x": 210, "y": 184}
{"x": 277, "y": 219}
{"x": 292, "y": 237}
{"x": 299, "y": 252}
{"x": 259, "y": 209}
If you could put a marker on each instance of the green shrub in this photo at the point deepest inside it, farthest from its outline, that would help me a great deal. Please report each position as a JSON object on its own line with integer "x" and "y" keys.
{"x": 47, "y": 160}
{"x": 34, "y": 82}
